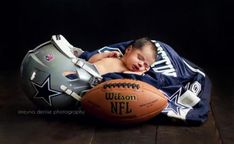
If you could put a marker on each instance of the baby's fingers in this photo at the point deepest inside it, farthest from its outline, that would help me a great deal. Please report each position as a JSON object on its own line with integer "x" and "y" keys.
{"x": 116, "y": 54}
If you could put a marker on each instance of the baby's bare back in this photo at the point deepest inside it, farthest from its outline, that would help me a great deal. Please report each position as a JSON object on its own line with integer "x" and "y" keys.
{"x": 109, "y": 65}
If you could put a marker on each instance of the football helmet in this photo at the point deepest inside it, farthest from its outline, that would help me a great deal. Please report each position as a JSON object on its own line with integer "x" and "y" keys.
{"x": 52, "y": 77}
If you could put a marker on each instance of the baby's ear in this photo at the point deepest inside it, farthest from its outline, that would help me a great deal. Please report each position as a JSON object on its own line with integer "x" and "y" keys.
{"x": 128, "y": 49}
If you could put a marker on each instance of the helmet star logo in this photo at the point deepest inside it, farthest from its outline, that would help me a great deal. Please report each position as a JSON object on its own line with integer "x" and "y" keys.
{"x": 45, "y": 92}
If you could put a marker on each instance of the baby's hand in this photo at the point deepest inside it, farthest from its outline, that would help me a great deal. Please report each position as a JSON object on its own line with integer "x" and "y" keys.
{"x": 114, "y": 54}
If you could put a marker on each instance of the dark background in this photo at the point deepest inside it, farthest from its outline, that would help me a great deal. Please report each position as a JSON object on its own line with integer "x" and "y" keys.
{"x": 201, "y": 31}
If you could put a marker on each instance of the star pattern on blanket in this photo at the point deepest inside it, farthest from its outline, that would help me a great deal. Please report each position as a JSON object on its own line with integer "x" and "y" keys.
{"x": 174, "y": 104}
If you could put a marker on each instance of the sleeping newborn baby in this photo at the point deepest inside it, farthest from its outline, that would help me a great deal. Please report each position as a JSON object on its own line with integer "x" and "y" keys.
{"x": 138, "y": 57}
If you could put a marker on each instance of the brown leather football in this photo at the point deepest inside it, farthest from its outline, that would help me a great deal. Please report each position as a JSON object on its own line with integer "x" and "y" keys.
{"x": 124, "y": 101}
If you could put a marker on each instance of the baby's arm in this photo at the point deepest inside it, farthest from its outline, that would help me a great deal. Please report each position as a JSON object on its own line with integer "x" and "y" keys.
{"x": 131, "y": 72}
{"x": 101, "y": 56}
{"x": 138, "y": 72}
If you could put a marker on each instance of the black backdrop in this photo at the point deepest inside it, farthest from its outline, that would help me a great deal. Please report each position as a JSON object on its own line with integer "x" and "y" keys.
{"x": 201, "y": 31}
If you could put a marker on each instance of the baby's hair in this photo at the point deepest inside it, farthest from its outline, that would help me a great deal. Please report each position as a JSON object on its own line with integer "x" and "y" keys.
{"x": 141, "y": 42}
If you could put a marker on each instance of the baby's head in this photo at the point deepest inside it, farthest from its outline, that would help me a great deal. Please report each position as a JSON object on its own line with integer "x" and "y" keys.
{"x": 140, "y": 54}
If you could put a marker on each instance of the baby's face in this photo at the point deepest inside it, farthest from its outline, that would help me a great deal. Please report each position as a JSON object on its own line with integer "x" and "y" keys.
{"x": 138, "y": 60}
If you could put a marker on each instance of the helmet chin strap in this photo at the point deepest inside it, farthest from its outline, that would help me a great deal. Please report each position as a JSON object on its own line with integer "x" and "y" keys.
{"x": 93, "y": 80}
{"x": 70, "y": 51}
{"x": 91, "y": 69}
{"x": 63, "y": 45}
{"x": 70, "y": 92}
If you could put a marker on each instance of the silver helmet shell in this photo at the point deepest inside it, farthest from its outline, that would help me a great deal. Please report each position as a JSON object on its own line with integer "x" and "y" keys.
{"x": 42, "y": 74}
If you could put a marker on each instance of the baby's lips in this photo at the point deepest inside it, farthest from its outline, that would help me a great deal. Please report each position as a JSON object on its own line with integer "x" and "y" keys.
{"x": 135, "y": 68}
